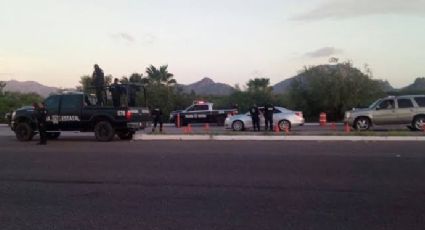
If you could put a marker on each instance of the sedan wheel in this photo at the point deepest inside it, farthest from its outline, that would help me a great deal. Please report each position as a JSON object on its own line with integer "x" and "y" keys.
{"x": 237, "y": 126}
{"x": 362, "y": 124}
{"x": 283, "y": 125}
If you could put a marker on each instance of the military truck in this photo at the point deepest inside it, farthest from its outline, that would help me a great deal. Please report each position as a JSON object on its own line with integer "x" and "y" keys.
{"x": 76, "y": 111}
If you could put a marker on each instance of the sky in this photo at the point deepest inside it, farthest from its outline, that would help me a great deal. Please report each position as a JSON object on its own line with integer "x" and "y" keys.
{"x": 55, "y": 42}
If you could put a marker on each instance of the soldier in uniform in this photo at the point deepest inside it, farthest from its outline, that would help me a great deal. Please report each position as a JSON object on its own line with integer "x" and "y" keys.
{"x": 268, "y": 116}
{"x": 157, "y": 118}
{"x": 255, "y": 117}
{"x": 116, "y": 92}
{"x": 40, "y": 115}
{"x": 98, "y": 81}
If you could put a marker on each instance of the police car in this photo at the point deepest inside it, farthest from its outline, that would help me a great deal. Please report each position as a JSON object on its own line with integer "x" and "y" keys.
{"x": 200, "y": 112}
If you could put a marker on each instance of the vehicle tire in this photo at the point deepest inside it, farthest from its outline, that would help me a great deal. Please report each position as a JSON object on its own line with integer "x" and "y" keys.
{"x": 283, "y": 124}
{"x": 53, "y": 135}
{"x": 362, "y": 124}
{"x": 24, "y": 132}
{"x": 103, "y": 131}
{"x": 125, "y": 135}
{"x": 418, "y": 123}
{"x": 238, "y": 126}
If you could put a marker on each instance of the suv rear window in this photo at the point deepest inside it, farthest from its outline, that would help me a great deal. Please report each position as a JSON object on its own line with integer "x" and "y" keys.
{"x": 420, "y": 101}
{"x": 404, "y": 103}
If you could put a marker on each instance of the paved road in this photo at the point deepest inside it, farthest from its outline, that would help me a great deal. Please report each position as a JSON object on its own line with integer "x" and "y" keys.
{"x": 77, "y": 183}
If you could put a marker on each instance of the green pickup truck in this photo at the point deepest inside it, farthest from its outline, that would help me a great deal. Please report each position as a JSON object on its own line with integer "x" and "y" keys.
{"x": 76, "y": 111}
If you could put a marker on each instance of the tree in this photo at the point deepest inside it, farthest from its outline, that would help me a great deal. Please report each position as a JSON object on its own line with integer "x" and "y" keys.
{"x": 259, "y": 84}
{"x": 160, "y": 76}
{"x": 2, "y": 85}
{"x": 332, "y": 89}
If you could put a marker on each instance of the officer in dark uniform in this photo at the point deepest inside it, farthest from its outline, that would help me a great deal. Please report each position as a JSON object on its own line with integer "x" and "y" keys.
{"x": 116, "y": 91}
{"x": 255, "y": 117}
{"x": 98, "y": 81}
{"x": 157, "y": 118}
{"x": 40, "y": 115}
{"x": 268, "y": 116}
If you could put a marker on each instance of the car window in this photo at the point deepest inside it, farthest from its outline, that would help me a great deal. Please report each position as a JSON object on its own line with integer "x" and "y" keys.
{"x": 404, "y": 103}
{"x": 199, "y": 108}
{"x": 276, "y": 111}
{"x": 420, "y": 101}
{"x": 71, "y": 103}
{"x": 387, "y": 104}
{"x": 52, "y": 104}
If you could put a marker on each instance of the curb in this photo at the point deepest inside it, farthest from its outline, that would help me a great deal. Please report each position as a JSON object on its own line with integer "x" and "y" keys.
{"x": 146, "y": 137}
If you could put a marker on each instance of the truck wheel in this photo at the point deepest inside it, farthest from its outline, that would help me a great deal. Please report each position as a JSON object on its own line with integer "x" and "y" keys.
{"x": 104, "y": 131}
{"x": 362, "y": 124}
{"x": 24, "y": 132}
{"x": 125, "y": 135}
{"x": 53, "y": 135}
{"x": 419, "y": 123}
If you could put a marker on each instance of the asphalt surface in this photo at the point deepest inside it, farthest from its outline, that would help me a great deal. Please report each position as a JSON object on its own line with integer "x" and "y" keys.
{"x": 78, "y": 183}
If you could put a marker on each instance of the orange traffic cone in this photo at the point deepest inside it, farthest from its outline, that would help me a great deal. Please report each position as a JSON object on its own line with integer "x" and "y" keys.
{"x": 276, "y": 129}
{"x": 185, "y": 130}
{"x": 207, "y": 127}
{"x": 347, "y": 128}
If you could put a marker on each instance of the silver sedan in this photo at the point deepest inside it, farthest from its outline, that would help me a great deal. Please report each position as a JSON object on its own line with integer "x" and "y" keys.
{"x": 282, "y": 117}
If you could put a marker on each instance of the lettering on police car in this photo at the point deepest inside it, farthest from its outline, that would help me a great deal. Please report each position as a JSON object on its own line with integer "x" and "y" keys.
{"x": 195, "y": 116}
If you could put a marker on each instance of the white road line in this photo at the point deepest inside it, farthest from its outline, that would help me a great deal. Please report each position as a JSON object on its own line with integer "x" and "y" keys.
{"x": 276, "y": 138}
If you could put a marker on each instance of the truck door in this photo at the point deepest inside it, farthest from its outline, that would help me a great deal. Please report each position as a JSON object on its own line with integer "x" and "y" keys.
{"x": 385, "y": 113}
{"x": 405, "y": 111}
{"x": 197, "y": 113}
{"x": 70, "y": 111}
{"x": 52, "y": 106}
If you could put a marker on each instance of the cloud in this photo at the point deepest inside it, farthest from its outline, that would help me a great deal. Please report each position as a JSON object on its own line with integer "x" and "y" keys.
{"x": 149, "y": 39}
{"x": 123, "y": 37}
{"x": 323, "y": 52}
{"x": 341, "y": 9}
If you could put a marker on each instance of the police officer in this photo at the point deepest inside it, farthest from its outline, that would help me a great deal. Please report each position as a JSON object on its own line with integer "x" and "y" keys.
{"x": 157, "y": 118}
{"x": 116, "y": 91}
{"x": 40, "y": 114}
{"x": 255, "y": 117}
{"x": 98, "y": 81}
{"x": 268, "y": 116}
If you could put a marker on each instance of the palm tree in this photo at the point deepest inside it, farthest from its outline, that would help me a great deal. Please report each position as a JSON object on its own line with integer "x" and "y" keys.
{"x": 153, "y": 74}
{"x": 166, "y": 77}
{"x": 160, "y": 76}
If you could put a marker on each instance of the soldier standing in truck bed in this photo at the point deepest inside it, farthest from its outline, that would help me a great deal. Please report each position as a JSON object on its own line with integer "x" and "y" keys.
{"x": 98, "y": 81}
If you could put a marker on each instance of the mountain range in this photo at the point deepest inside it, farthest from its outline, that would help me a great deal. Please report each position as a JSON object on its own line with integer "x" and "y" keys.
{"x": 206, "y": 86}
